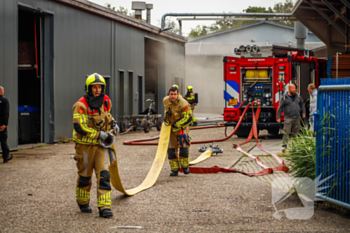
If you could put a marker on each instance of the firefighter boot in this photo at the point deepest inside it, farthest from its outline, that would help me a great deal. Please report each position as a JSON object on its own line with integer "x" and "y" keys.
{"x": 184, "y": 160}
{"x": 186, "y": 170}
{"x": 173, "y": 162}
{"x": 174, "y": 173}
{"x": 105, "y": 213}
{"x": 85, "y": 208}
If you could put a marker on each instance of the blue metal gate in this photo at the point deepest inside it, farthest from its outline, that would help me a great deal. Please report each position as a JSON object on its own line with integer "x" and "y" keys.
{"x": 332, "y": 124}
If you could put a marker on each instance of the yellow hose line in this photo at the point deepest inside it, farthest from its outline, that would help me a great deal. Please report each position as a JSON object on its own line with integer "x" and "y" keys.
{"x": 205, "y": 155}
{"x": 156, "y": 168}
{"x": 153, "y": 173}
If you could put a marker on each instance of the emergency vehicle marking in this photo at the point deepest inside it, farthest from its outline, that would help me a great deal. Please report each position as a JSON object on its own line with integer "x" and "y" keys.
{"x": 277, "y": 97}
{"x": 232, "y": 88}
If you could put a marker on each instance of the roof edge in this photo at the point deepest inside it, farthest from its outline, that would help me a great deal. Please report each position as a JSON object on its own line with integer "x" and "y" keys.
{"x": 121, "y": 18}
{"x": 296, "y": 6}
{"x": 240, "y": 28}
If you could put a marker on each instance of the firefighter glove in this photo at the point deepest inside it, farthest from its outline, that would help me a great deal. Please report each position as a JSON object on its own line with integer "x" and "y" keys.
{"x": 103, "y": 135}
{"x": 183, "y": 138}
{"x": 115, "y": 127}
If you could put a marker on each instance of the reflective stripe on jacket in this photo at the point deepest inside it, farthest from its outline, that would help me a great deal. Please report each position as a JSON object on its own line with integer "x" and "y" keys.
{"x": 88, "y": 123}
{"x": 181, "y": 112}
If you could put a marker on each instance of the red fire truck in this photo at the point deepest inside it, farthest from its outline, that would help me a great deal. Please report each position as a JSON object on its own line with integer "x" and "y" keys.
{"x": 249, "y": 78}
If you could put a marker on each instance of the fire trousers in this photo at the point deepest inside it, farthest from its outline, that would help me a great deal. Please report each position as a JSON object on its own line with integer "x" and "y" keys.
{"x": 193, "y": 117}
{"x": 89, "y": 158}
{"x": 175, "y": 157}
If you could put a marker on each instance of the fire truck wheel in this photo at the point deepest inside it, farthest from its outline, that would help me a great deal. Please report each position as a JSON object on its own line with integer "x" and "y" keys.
{"x": 274, "y": 131}
{"x": 243, "y": 132}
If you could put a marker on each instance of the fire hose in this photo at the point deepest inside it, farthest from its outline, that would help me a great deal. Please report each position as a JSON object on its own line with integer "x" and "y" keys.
{"x": 161, "y": 153}
{"x": 153, "y": 173}
{"x": 253, "y": 131}
{"x": 139, "y": 141}
{"x": 142, "y": 141}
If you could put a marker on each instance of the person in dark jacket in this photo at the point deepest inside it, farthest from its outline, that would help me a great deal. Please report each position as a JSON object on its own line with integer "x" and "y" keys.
{"x": 4, "y": 120}
{"x": 293, "y": 105}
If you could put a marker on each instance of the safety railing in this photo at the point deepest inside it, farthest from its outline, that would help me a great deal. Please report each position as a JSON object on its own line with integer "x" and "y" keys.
{"x": 332, "y": 124}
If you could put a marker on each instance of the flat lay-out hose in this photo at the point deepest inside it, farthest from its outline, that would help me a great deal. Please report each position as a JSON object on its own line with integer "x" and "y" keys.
{"x": 136, "y": 141}
{"x": 161, "y": 155}
{"x": 153, "y": 173}
{"x": 142, "y": 141}
{"x": 254, "y": 131}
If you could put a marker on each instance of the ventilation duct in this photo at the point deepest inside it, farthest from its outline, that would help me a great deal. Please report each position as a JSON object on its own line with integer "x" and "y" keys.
{"x": 138, "y": 7}
{"x": 300, "y": 33}
{"x": 149, "y": 7}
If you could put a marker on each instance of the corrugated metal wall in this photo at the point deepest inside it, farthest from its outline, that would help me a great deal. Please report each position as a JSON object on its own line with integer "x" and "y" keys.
{"x": 129, "y": 57}
{"x": 8, "y": 63}
{"x": 83, "y": 43}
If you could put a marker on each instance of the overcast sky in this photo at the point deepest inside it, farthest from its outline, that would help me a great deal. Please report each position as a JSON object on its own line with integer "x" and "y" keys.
{"x": 161, "y": 7}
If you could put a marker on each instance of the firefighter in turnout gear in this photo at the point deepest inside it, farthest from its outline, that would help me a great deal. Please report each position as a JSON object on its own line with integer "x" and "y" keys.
{"x": 92, "y": 122}
{"x": 177, "y": 87}
{"x": 178, "y": 114}
{"x": 190, "y": 97}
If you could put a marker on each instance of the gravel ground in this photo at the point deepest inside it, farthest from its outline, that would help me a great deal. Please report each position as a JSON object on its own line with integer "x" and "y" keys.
{"x": 37, "y": 194}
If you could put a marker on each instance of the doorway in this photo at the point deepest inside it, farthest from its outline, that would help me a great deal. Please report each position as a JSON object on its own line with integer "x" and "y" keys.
{"x": 121, "y": 94}
{"x": 131, "y": 93}
{"x": 154, "y": 72}
{"x": 35, "y": 76}
{"x": 139, "y": 93}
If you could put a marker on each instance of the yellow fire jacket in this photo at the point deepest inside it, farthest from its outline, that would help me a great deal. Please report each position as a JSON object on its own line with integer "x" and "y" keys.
{"x": 88, "y": 123}
{"x": 178, "y": 112}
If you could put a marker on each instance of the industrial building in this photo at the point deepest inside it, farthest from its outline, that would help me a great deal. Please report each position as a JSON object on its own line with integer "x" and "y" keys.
{"x": 47, "y": 48}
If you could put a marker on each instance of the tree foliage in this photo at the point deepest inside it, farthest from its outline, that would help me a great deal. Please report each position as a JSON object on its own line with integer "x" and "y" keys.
{"x": 121, "y": 9}
{"x": 108, "y": 5}
{"x": 171, "y": 24}
{"x": 221, "y": 25}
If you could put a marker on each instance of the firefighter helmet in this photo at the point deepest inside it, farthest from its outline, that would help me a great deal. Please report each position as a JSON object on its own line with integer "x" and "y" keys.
{"x": 190, "y": 88}
{"x": 174, "y": 85}
{"x": 93, "y": 79}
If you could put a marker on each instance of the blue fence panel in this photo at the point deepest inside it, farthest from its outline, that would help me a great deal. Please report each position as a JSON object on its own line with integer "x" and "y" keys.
{"x": 333, "y": 141}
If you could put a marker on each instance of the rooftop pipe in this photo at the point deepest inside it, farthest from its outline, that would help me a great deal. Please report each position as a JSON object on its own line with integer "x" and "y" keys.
{"x": 222, "y": 14}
